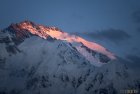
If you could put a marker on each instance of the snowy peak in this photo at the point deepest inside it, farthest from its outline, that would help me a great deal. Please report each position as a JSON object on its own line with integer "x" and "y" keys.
{"x": 27, "y": 28}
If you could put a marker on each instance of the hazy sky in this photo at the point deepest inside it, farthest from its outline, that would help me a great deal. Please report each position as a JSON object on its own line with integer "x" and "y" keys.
{"x": 71, "y": 15}
{"x": 113, "y": 23}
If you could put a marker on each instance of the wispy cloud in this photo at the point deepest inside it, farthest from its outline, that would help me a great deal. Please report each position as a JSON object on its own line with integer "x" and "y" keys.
{"x": 136, "y": 16}
{"x": 134, "y": 58}
{"x": 114, "y": 35}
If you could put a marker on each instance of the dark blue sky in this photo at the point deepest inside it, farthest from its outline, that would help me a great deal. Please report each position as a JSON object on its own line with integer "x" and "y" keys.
{"x": 113, "y": 23}
{"x": 71, "y": 15}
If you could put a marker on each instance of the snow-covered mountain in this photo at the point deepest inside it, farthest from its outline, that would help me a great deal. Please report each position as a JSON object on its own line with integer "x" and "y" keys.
{"x": 35, "y": 59}
{"x": 93, "y": 52}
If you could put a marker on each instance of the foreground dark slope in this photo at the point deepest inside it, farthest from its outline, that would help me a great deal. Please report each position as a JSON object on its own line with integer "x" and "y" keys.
{"x": 41, "y": 64}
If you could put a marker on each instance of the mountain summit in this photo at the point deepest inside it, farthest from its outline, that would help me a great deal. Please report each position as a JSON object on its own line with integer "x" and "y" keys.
{"x": 35, "y": 59}
{"x": 92, "y": 51}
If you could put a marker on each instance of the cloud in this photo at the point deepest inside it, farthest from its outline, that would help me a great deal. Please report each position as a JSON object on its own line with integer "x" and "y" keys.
{"x": 136, "y": 16}
{"x": 114, "y": 35}
{"x": 132, "y": 61}
{"x": 138, "y": 30}
{"x": 134, "y": 58}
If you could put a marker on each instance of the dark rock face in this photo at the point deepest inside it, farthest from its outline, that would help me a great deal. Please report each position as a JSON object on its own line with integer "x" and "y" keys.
{"x": 5, "y": 40}
{"x": 17, "y": 35}
{"x": 49, "y": 38}
{"x": 2, "y": 62}
{"x": 10, "y": 44}
{"x": 12, "y": 49}
{"x": 103, "y": 58}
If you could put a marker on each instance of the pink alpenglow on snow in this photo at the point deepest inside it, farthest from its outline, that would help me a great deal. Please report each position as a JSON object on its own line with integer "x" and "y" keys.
{"x": 56, "y": 33}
